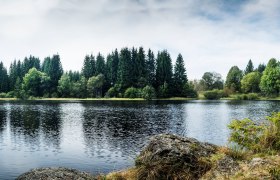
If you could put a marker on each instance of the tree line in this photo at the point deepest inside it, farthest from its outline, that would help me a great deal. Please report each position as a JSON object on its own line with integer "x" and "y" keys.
{"x": 130, "y": 73}
{"x": 264, "y": 80}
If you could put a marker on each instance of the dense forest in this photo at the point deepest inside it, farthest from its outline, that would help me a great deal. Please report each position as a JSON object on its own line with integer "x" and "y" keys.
{"x": 130, "y": 73}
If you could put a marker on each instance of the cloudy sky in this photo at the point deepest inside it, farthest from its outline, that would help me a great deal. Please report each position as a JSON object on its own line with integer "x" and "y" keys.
{"x": 212, "y": 35}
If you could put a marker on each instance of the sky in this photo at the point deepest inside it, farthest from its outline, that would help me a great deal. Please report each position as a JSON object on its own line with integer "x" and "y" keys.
{"x": 212, "y": 35}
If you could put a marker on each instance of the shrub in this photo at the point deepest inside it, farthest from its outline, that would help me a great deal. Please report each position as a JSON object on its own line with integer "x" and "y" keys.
{"x": 250, "y": 96}
{"x": 189, "y": 91}
{"x": 112, "y": 92}
{"x": 214, "y": 94}
{"x": 132, "y": 93}
{"x": 148, "y": 93}
{"x": 257, "y": 137}
{"x": 3, "y": 95}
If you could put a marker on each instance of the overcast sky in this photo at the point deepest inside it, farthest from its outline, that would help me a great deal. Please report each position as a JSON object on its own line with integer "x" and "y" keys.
{"x": 212, "y": 35}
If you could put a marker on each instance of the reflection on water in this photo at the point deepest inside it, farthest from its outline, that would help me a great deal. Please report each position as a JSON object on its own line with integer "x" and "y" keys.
{"x": 99, "y": 137}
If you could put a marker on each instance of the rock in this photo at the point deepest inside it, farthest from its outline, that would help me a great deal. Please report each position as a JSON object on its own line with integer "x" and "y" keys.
{"x": 55, "y": 174}
{"x": 169, "y": 156}
{"x": 255, "y": 162}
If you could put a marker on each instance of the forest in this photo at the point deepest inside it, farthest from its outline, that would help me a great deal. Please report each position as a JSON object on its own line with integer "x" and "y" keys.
{"x": 131, "y": 73}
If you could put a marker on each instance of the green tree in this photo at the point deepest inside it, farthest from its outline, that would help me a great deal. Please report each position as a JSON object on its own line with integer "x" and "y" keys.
{"x": 151, "y": 68}
{"x": 164, "y": 72}
{"x": 125, "y": 69}
{"x": 64, "y": 86}
{"x": 95, "y": 84}
{"x": 270, "y": 81}
{"x": 88, "y": 69}
{"x": 132, "y": 93}
{"x": 34, "y": 82}
{"x": 180, "y": 77}
{"x": 212, "y": 80}
{"x": 233, "y": 80}
{"x": 29, "y": 63}
{"x": 148, "y": 92}
{"x": 79, "y": 88}
{"x": 54, "y": 70}
{"x": 250, "y": 82}
{"x": 4, "y": 79}
{"x": 249, "y": 67}
{"x": 100, "y": 64}
{"x": 261, "y": 68}
{"x": 141, "y": 69}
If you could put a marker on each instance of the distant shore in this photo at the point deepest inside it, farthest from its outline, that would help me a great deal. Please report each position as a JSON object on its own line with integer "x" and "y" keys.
{"x": 130, "y": 99}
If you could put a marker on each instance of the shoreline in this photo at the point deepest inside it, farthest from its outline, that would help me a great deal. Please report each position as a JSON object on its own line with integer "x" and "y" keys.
{"x": 134, "y": 99}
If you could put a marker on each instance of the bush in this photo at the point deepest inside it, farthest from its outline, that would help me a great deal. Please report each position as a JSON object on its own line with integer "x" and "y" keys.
{"x": 257, "y": 137}
{"x": 112, "y": 92}
{"x": 214, "y": 94}
{"x": 148, "y": 93}
{"x": 3, "y": 95}
{"x": 189, "y": 91}
{"x": 250, "y": 96}
{"x": 132, "y": 93}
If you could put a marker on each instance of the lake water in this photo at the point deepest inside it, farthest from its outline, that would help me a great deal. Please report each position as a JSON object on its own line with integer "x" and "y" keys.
{"x": 99, "y": 137}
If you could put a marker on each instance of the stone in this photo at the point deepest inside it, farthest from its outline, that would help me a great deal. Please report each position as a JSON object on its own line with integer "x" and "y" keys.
{"x": 168, "y": 156}
{"x": 56, "y": 174}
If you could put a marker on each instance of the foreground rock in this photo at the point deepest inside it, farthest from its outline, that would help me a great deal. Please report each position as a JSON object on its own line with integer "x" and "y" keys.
{"x": 172, "y": 157}
{"x": 55, "y": 174}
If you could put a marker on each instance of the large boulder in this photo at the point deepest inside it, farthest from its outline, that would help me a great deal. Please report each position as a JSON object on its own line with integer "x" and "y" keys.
{"x": 55, "y": 173}
{"x": 169, "y": 156}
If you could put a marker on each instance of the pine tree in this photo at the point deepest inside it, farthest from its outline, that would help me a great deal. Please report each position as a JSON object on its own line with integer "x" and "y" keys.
{"x": 150, "y": 68}
{"x": 124, "y": 69}
{"x": 180, "y": 77}
{"x": 164, "y": 69}
{"x": 4, "y": 80}
{"x": 88, "y": 69}
{"x": 141, "y": 71}
{"x": 249, "y": 67}
{"x": 100, "y": 64}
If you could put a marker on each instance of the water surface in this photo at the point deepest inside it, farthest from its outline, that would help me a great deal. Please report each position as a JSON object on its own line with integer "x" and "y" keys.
{"x": 99, "y": 137}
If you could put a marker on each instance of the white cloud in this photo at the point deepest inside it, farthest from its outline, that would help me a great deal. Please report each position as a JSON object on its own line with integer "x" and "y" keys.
{"x": 212, "y": 36}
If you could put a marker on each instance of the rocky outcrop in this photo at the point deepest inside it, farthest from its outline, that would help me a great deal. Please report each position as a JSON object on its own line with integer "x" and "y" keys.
{"x": 55, "y": 174}
{"x": 169, "y": 156}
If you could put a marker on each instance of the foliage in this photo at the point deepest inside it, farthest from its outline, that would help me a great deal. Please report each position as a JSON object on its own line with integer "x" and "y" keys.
{"x": 35, "y": 83}
{"x": 249, "y": 67}
{"x": 163, "y": 91}
{"x": 250, "y": 82}
{"x": 163, "y": 73}
{"x": 233, "y": 80}
{"x": 64, "y": 86}
{"x": 257, "y": 137}
{"x": 212, "y": 80}
{"x": 270, "y": 80}
{"x": 180, "y": 77}
{"x": 4, "y": 79}
{"x": 148, "y": 92}
{"x": 250, "y": 96}
{"x": 95, "y": 84}
{"x": 214, "y": 94}
{"x": 132, "y": 93}
{"x": 189, "y": 91}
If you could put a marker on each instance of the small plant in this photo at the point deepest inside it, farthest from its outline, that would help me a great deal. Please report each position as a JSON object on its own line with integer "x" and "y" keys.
{"x": 257, "y": 137}
{"x": 236, "y": 153}
{"x": 275, "y": 173}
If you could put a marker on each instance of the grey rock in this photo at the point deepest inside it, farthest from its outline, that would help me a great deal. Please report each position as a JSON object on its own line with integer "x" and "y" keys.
{"x": 55, "y": 174}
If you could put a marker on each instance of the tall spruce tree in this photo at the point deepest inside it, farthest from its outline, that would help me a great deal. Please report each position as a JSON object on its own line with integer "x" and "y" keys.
{"x": 124, "y": 69}
{"x": 141, "y": 71}
{"x": 249, "y": 67}
{"x": 4, "y": 79}
{"x": 115, "y": 66}
{"x": 164, "y": 69}
{"x": 180, "y": 77}
{"x": 54, "y": 71}
{"x": 134, "y": 67}
{"x": 100, "y": 64}
{"x": 88, "y": 69}
{"x": 151, "y": 68}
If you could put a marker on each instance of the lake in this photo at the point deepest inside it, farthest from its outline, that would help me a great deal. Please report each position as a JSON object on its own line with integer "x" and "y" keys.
{"x": 102, "y": 136}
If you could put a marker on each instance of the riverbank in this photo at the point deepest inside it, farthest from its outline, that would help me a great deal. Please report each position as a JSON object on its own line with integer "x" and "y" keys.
{"x": 134, "y": 99}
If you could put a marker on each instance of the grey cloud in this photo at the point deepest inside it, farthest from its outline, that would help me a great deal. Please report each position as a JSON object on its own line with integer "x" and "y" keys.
{"x": 211, "y": 35}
